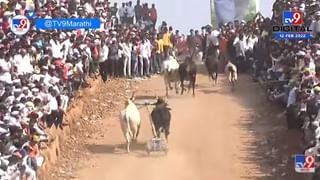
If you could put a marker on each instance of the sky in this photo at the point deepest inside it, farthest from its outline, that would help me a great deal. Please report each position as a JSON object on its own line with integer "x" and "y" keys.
{"x": 193, "y": 14}
{"x": 265, "y": 7}
{"x": 181, "y": 14}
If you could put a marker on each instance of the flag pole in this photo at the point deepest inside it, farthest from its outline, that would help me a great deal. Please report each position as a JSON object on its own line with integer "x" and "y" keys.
{"x": 211, "y": 11}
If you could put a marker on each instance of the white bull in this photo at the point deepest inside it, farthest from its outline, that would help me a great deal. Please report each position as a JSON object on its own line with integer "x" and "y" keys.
{"x": 130, "y": 122}
{"x": 231, "y": 72}
{"x": 171, "y": 73}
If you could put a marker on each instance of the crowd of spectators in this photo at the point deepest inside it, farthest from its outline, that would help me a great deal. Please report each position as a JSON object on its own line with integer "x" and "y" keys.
{"x": 295, "y": 68}
{"x": 289, "y": 68}
{"x": 41, "y": 71}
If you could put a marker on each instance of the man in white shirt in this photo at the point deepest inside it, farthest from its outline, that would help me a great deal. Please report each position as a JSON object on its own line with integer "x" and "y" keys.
{"x": 212, "y": 42}
{"x": 17, "y": 62}
{"x": 88, "y": 7}
{"x": 131, "y": 13}
{"x": 103, "y": 61}
{"x": 55, "y": 114}
{"x": 58, "y": 104}
{"x": 121, "y": 13}
{"x": 56, "y": 48}
{"x": 67, "y": 47}
{"x": 26, "y": 62}
{"x": 240, "y": 46}
{"x": 309, "y": 63}
{"x": 146, "y": 54}
{"x": 251, "y": 42}
{"x": 126, "y": 47}
{"x": 213, "y": 37}
{"x": 5, "y": 74}
{"x": 292, "y": 99}
{"x": 315, "y": 25}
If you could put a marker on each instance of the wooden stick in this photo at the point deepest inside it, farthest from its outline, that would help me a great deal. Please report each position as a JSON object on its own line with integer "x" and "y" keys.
{"x": 152, "y": 125}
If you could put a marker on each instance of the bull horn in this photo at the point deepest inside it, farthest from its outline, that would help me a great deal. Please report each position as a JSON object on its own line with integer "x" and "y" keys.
{"x": 132, "y": 96}
{"x": 165, "y": 99}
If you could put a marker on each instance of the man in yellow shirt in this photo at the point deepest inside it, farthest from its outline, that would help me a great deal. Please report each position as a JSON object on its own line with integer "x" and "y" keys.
{"x": 167, "y": 44}
{"x": 159, "y": 53}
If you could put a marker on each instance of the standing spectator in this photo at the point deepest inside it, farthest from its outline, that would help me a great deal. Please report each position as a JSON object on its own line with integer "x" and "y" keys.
{"x": 140, "y": 58}
{"x": 146, "y": 54}
{"x": 122, "y": 13}
{"x": 72, "y": 6}
{"x": 96, "y": 51}
{"x": 23, "y": 10}
{"x": 126, "y": 14}
{"x": 56, "y": 47}
{"x": 252, "y": 40}
{"x": 153, "y": 57}
{"x": 176, "y": 37}
{"x": 223, "y": 47}
{"x": 5, "y": 25}
{"x": 153, "y": 16}
{"x": 145, "y": 12}
{"x": 315, "y": 25}
{"x": 138, "y": 11}
{"x": 171, "y": 36}
{"x": 212, "y": 42}
{"x": 239, "y": 44}
{"x": 103, "y": 67}
{"x": 114, "y": 57}
{"x": 190, "y": 40}
{"x": 52, "y": 109}
{"x": 114, "y": 10}
{"x": 204, "y": 39}
{"x": 162, "y": 26}
{"x": 5, "y": 68}
{"x": 166, "y": 42}
{"x": 198, "y": 40}
{"x": 127, "y": 46}
{"x": 135, "y": 57}
{"x": 131, "y": 13}
{"x": 159, "y": 53}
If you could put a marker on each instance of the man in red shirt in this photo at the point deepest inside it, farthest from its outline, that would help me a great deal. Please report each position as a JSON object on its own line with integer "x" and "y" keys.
{"x": 153, "y": 14}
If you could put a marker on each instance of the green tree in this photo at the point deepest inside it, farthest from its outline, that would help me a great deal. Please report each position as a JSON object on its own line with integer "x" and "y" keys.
{"x": 214, "y": 20}
{"x": 251, "y": 12}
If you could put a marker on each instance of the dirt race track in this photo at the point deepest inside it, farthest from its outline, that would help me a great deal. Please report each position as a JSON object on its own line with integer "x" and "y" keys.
{"x": 218, "y": 135}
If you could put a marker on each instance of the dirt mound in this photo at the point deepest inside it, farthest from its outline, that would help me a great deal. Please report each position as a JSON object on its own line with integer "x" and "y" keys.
{"x": 85, "y": 116}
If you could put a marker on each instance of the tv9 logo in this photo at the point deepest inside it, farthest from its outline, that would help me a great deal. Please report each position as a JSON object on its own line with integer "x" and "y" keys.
{"x": 305, "y": 164}
{"x": 292, "y": 17}
{"x": 19, "y": 25}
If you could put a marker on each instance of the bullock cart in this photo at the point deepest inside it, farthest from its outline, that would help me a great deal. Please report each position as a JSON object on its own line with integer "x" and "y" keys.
{"x": 155, "y": 144}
